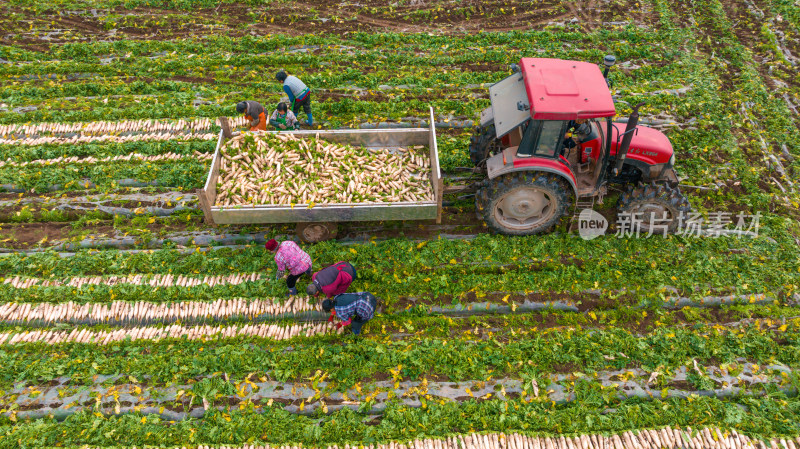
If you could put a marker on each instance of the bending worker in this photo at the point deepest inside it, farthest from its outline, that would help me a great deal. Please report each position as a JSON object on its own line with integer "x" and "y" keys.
{"x": 254, "y": 112}
{"x": 299, "y": 94}
{"x": 333, "y": 280}
{"x": 283, "y": 118}
{"x": 354, "y": 309}
{"x": 289, "y": 256}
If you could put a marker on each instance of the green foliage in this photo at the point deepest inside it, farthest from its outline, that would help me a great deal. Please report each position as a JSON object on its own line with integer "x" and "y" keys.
{"x": 767, "y": 417}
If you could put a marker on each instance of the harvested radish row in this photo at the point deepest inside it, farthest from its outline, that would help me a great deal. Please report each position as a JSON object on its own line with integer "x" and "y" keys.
{"x": 83, "y": 138}
{"x": 105, "y": 131}
{"x": 140, "y": 310}
{"x": 93, "y": 160}
{"x": 267, "y": 168}
{"x": 104, "y": 337}
{"x": 672, "y": 438}
{"x": 106, "y": 127}
{"x": 155, "y": 280}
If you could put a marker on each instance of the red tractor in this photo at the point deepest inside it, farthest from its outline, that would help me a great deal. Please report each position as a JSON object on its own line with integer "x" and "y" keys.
{"x": 548, "y": 142}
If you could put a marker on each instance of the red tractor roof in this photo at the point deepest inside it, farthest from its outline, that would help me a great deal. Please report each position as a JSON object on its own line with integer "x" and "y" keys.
{"x": 566, "y": 90}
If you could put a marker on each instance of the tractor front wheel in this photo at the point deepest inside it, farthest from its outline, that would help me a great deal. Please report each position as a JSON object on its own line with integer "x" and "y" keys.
{"x": 483, "y": 143}
{"x": 522, "y": 203}
{"x": 652, "y": 208}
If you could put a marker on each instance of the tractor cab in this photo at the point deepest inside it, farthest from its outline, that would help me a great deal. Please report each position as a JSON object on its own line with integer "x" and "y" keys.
{"x": 550, "y": 123}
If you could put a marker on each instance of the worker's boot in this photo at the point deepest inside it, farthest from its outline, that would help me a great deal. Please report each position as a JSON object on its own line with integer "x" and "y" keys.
{"x": 292, "y": 291}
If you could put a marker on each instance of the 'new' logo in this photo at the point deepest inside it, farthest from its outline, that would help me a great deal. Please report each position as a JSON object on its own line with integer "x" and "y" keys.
{"x": 591, "y": 224}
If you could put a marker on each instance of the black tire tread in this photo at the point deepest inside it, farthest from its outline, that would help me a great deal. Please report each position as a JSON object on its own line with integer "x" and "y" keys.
{"x": 659, "y": 193}
{"x": 492, "y": 190}
{"x": 479, "y": 144}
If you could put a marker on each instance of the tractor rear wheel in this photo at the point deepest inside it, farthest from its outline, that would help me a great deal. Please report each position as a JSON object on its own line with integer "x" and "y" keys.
{"x": 653, "y": 208}
{"x": 524, "y": 203}
{"x": 483, "y": 143}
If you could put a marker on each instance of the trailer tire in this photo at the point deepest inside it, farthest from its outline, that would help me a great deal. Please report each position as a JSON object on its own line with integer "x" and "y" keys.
{"x": 523, "y": 203}
{"x": 316, "y": 232}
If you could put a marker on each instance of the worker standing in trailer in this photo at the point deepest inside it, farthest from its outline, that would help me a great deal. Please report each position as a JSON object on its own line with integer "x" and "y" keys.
{"x": 254, "y": 112}
{"x": 299, "y": 94}
{"x": 353, "y": 309}
{"x": 289, "y": 256}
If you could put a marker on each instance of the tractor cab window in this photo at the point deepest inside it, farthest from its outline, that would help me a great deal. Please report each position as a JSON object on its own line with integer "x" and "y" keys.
{"x": 541, "y": 138}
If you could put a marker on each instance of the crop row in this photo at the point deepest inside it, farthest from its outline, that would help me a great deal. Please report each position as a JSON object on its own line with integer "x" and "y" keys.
{"x": 105, "y": 149}
{"x": 184, "y": 173}
{"x": 111, "y": 131}
{"x": 105, "y": 127}
{"x": 769, "y": 417}
{"x": 155, "y": 333}
{"x": 388, "y": 51}
{"x": 115, "y": 138}
{"x": 435, "y": 320}
{"x": 144, "y": 310}
{"x": 320, "y": 395}
{"x": 400, "y": 267}
{"x": 467, "y": 350}
{"x": 156, "y": 280}
{"x": 474, "y": 285}
{"x": 669, "y": 438}
{"x": 93, "y": 160}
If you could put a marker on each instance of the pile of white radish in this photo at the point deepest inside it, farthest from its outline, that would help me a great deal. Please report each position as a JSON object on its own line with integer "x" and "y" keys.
{"x": 82, "y": 138}
{"x": 153, "y": 280}
{"x": 108, "y": 131}
{"x": 108, "y": 127}
{"x": 104, "y": 337}
{"x": 671, "y": 438}
{"x": 281, "y": 169}
{"x": 142, "y": 310}
{"x": 93, "y": 160}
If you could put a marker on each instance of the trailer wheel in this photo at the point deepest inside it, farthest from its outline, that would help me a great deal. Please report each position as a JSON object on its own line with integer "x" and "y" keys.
{"x": 316, "y": 232}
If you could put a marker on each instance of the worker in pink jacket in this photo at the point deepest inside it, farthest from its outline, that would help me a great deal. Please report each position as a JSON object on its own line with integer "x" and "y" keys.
{"x": 333, "y": 280}
{"x": 289, "y": 256}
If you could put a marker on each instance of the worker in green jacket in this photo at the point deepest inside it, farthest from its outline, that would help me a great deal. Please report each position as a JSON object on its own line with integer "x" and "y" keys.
{"x": 283, "y": 118}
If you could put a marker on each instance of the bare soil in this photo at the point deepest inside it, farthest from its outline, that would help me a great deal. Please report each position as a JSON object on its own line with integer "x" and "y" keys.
{"x": 312, "y": 16}
{"x": 27, "y": 235}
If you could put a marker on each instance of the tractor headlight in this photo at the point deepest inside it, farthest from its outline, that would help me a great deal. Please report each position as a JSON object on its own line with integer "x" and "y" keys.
{"x": 671, "y": 160}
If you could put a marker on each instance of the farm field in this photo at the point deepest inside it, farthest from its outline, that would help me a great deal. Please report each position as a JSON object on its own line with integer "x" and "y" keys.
{"x": 127, "y": 321}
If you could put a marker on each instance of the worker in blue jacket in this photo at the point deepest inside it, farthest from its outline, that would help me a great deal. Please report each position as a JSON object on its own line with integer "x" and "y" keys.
{"x": 354, "y": 309}
{"x": 299, "y": 94}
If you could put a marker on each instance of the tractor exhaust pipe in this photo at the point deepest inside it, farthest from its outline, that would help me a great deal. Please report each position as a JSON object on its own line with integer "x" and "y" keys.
{"x": 609, "y": 62}
{"x": 622, "y": 151}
